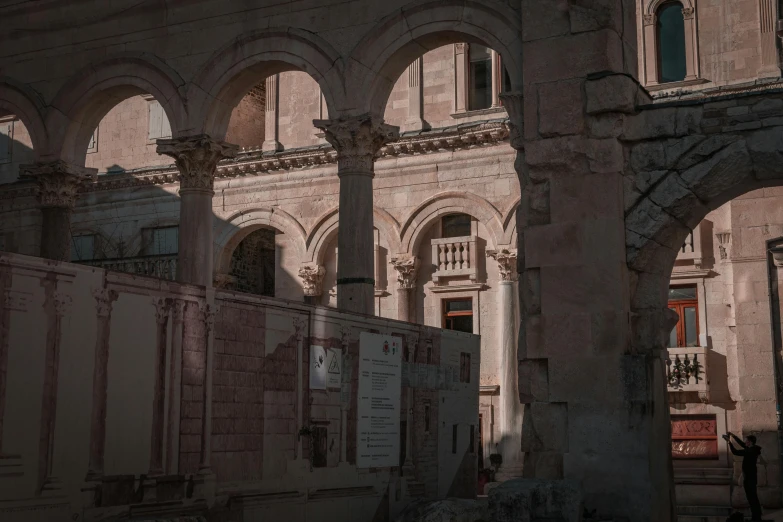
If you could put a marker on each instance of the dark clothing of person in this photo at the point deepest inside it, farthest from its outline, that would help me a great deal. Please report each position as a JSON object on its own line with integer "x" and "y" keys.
{"x": 749, "y": 454}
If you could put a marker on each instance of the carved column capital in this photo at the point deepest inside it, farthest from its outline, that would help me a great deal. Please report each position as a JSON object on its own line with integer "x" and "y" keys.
{"x": 196, "y": 158}
{"x": 162, "y": 308}
{"x": 649, "y": 19}
{"x": 312, "y": 276}
{"x": 507, "y": 262}
{"x": 688, "y": 12}
{"x": 104, "y": 300}
{"x": 58, "y": 182}
{"x": 514, "y": 103}
{"x": 406, "y": 267}
{"x": 357, "y": 141}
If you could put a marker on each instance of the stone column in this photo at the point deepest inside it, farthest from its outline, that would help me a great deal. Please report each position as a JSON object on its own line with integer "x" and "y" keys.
{"x": 196, "y": 158}
{"x": 691, "y": 43}
{"x": 312, "y": 276}
{"x": 461, "y": 66}
{"x": 650, "y": 22}
{"x": 104, "y": 300}
{"x": 510, "y": 425}
{"x": 58, "y": 186}
{"x": 497, "y": 78}
{"x": 415, "y": 119}
{"x": 406, "y": 267}
{"x": 357, "y": 140}
{"x": 271, "y": 127}
{"x": 162, "y": 309}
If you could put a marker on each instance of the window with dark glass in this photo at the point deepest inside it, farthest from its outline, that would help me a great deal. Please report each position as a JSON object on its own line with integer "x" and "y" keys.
{"x": 455, "y": 225}
{"x": 480, "y": 77}
{"x": 458, "y": 315}
{"x": 160, "y": 241}
{"x": 253, "y": 263}
{"x": 671, "y": 43}
{"x": 683, "y": 301}
{"x": 83, "y": 248}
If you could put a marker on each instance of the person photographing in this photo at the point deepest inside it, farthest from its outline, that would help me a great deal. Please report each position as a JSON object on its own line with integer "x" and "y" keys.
{"x": 750, "y": 454}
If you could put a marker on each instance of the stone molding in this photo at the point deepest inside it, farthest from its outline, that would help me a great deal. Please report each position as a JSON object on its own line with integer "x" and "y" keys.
{"x": 254, "y": 162}
{"x": 58, "y": 182}
{"x": 507, "y": 263}
{"x": 406, "y": 267}
{"x": 196, "y": 158}
{"x": 312, "y": 276}
{"x": 357, "y": 140}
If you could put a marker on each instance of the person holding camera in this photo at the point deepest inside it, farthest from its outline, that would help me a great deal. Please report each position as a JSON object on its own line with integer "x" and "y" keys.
{"x": 750, "y": 453}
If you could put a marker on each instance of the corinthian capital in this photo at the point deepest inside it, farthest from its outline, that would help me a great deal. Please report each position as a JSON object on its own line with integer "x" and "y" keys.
{"x": 312, "y": 276}
{"x": 507, "y": 262}
{"x": 58, "y": 182}
{"x": 406, "y": 267}
{"x": 104, "y": 300}
{"x": 514, "y": 103}
{"x": 357, "y": 140}
{"x": 196, "y": 158}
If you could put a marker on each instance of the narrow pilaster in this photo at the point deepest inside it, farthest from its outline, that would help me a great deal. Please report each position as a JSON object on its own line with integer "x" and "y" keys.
{"x": 497, "y": 80}
{"x": 461, "y": 66}
{"x": 196, "y": 158}
{"x": 415, "y": 119}
{"x": 650, "y": 49}
{"x": 406, "y": 267}
{"x": 208, "y": 316}
{"x": 770, "y": 56}
{"x": 299, "y": 327}
{"x": 162, "y": 309}
{"x": 58, "y": 185}
{"x": 357, "y": 140}
{"x": 175, "y": 386}
{"x": 691, "y": 43}
{"x": 104, "y": 300}
{"x": 271, "y": 118}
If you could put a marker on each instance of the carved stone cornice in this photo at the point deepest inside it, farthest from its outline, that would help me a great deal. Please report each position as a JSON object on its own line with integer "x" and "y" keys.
{"x": 312, "y": 276}
{"x": 196, "y": 158}
{"x": 514, "y": 104}
{"x": 57, "y": 182}
{"x": 104, "y": 300}
{"x": 357, "y": 141}
{"x": 406, "y": 267}
{"x": 507, "y": 262}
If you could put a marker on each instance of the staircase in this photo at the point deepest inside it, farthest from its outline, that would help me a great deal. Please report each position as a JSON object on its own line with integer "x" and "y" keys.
{"x": 703, "y": 494}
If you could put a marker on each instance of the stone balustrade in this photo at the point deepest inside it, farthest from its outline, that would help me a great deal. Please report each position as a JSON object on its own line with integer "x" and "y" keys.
{"x": 162, "y": 267}
{"x": 455, "y": 257}
{"x": 687, "y": 371}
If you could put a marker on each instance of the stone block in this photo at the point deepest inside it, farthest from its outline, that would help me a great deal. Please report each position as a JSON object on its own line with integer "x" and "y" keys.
{"x": 560, "y": 108}
{"x": 579, "y": 198}
{"x": 675, "y": 197}
{"x": 766, "y": 151}
{"x": 535, "y": 500}
{"x": 554, "y": 59}
{"x": 615, "y": 93}
{"x": 544, "y": 19}
{"x": 533, "y": 381}
{"x": 545, "y": 427}
{"x": 553, "y": 245}
{"x": 650, "y": 124}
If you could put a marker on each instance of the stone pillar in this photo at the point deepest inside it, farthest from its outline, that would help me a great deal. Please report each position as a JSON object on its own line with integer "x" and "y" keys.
{"x": 196, "y": 158}
{"x": 272, "y": 126}
{"x": 406, "y": 267}
{"x": 768, "y": 18}
{"x": 162, "y": 309}
{"x": 415, "y": 119}
{"x": 357, "y": 140}
{"x": 691, "y": 43}
{"x": 104, "y": 300}
{"x": 510, "y": 425}
{"x": 58, "y": 186}
{"x": 312, "y": 276}
{"x": 497, "y": 78}
{"x": 461, "y": 65}
{"x": 650, "y": 22}
{"x": 175, "y": 386}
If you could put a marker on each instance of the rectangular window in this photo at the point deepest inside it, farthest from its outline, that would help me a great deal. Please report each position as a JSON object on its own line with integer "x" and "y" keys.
{"x": 683, "y": 301}
{"x": 83, "y": 248}
{"x": 694, "y": 437}
{"x": 464, "y": 367}
{"x": 159, "y": 126}
{"x": 426, "y": 418}
{"x": 455, "y": 225}
{"x": 160, "y": 241}
{"x": 480, "y": 78}
{"x": 6, "y": 141}
{"x": 454, "y": 439}
{"x": 458, "y": 315}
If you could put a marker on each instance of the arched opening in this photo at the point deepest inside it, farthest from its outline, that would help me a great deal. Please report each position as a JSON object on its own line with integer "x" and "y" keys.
{"x": 672, "y": 65}
{"x": 253, "y": 264}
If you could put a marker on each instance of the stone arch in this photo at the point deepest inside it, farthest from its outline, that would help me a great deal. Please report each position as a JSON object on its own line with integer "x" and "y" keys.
{"x": 325, "y": 230}
{"x": 510, "y": 224}
{"x": 651, "y": 6}
{"x": 24, "y": 103}
{"x": 243, "y": 223}
{"x": 242, "y": 63}
{"x": 450, "y": 202}
{"x": 89, "y": 94}
{"x": 422, "y": 25}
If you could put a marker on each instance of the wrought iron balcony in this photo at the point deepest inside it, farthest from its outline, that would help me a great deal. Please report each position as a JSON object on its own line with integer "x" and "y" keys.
{"x": 162, "y": 267}
{"x": 687, "y": 371}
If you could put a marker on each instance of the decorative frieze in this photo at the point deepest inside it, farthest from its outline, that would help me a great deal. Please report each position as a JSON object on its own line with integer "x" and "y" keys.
{"x": 406, "y": 267}
{"x": 58, "y": 183}
{"x": 357, "y": 140}
{"x": 312, "y": 276}
{"x": 507, "y": 262}
{"x": 196, "y": 158}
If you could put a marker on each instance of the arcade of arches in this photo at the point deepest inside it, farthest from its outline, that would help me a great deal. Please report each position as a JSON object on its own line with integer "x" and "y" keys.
{"x": 557, "y": 179}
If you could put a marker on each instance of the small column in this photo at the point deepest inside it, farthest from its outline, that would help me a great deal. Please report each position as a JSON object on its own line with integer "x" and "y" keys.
{"x": 207, "y": 312}
{"x": 497, "y": 80}
{"x": 691, "y": 42}
{"x": 357, "y": 140}
{"x": 272, "y": 122}
{"x": 196, "y": 158}
{"x": 650, "y": 49}
{"x": 175, "y": 385}
{"x": 510, "y": 410}
{"x": 104, "y": 300}
{"x": 415, "y": 121}
{"x": 461, "y": 65}
{"x": 312, "y": 276}
{"x": 58, "y": 186}
{"x": 162, "y": 309}
{"x": 768, "y": 18}
{"x": 406, "y": 267}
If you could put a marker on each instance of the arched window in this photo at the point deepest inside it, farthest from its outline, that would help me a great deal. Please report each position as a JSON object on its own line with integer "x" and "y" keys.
{"x": 253, "y": 264}
{"x": 671, "y": 43}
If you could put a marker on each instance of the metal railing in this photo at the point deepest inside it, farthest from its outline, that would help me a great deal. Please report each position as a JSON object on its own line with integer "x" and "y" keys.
{"x": 162, "y": 267}
{"x": 686, "y": 370}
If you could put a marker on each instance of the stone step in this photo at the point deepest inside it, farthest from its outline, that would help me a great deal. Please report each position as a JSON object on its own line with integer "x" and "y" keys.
{"x": 703, "y": 513}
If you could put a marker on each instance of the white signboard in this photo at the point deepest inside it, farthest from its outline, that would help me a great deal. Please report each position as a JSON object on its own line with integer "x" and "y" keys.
{"x": 317, "y": 368}
{"x": 378, "y": 423}
{"x": 334, "y": 363}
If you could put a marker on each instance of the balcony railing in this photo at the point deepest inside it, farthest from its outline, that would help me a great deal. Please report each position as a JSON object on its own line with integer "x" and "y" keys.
{"x": 686, "y": 370}
{"x": 455, "y": 257}
{"x": 162, "y": 267}
{"x": 697, "y": 246}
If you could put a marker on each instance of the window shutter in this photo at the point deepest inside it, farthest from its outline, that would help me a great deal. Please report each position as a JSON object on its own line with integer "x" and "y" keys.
{"x": 159, "y": 123}
{"x": 6, "y": 141}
